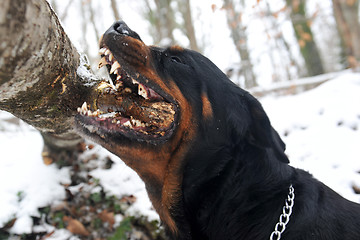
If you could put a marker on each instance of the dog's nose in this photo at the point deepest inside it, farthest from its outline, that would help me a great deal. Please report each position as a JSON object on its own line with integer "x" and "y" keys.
{"x": 120, "y": 27}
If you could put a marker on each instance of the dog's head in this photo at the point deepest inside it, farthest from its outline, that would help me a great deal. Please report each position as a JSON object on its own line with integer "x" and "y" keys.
{"x": 163, "y": 105}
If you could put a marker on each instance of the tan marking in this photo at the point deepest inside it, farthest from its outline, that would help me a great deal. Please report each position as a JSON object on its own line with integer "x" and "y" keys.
{"x": 177, "y": 48}
{"x": 207, "y": 111}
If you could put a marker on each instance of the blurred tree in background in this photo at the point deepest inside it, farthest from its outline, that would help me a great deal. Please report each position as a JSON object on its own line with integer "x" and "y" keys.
{"x": 320, "y": 39}
{"x": 305, "y": 37}
{"x": 347, "y": 19}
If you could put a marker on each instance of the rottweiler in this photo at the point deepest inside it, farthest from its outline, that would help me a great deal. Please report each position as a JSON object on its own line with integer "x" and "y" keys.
{"x": 213, "y": 166}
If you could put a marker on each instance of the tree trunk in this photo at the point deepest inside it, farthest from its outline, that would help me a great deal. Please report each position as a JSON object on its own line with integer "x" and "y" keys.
{"x": 115, "y": 10}
{"x": 305, "y": 38}
{"x": 347, "y": 20}
{"x": 185, "y": 10}
{"x": 162, "y": 18}
{"x": 43, "y": 79}
{"x": 238, "y": 35}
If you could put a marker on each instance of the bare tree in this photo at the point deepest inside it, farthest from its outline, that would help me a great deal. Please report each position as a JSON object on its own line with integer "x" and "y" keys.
{"x": 43, "y": 79}
{"x": 185, "y": 9}
{"x": 347, "y": 20}
{"x": 115, "y": 10}
{"x": 162, "y": 20}
{"x": 281, "y": 45}
{"x": 92, "y": 20}
{"x": 238, "y": 34}
{"x": 305, "y": 38}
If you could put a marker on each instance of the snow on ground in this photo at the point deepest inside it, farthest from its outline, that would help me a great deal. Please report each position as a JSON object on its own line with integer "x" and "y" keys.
{"x": 25, "y": 182}
{"x": 321, "y": 128}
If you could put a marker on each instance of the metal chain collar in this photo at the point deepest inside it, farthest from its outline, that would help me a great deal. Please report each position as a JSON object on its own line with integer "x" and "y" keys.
{"x": 285, "y": 216}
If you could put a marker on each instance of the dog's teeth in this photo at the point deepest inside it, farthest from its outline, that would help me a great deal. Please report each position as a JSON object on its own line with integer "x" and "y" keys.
{"x": 96, "y": 113}
{"x": 112, "y": 84}
{"x": 102, "y": 62}
{"x": 107, "y": 52}
{"x": 111, "y": 57}
{"x": 142, "y": 91}
{"x": 79, "y": 110}
{"x": 137, "y": 123}
{"x": 114, "y": 66}
{"x": 127, "y": 124}
{"x": 103, "y": 85}
{"x": 84, "y": 107}
{"x": 102, "y": 51}
{"x": 118, "y": 77}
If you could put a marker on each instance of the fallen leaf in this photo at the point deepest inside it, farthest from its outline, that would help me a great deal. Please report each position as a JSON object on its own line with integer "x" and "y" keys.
{"x": 108, "y": 217}
{"x": 75, "y": 226}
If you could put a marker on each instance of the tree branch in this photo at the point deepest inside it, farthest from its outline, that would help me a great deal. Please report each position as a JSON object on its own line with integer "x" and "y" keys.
{"x": 43, "y": 79}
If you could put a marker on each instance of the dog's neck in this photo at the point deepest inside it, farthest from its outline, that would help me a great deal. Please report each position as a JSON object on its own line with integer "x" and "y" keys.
{"x": 226, "y": 194}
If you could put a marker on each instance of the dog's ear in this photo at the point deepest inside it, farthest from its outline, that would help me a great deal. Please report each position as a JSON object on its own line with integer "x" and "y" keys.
{"x": 262, "y": 134}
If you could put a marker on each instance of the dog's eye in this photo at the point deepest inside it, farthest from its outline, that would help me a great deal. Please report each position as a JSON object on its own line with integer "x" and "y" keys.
{"x": 176, "y": 59}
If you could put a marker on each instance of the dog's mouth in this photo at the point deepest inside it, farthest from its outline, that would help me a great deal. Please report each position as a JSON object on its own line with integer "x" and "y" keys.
{"x": 128, "y": 106}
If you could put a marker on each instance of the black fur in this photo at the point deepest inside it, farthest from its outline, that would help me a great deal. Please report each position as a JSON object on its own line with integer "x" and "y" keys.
{"x": 236, "y": 176}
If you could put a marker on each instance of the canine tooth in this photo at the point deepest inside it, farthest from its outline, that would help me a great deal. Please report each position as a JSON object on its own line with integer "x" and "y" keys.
{"x": 89, "y": 113}
{"x": 84, "y": 107}
{"x": 112, "y": 84}
{"x": 102, "y": 62}
{"x": 118, "y": 77}
{"x": 102, "y": 50}
{"x": 114, "y": 66}
{"x": 111, "y": 57}
{"x": 107, "y": 52}
{"x": 78, "y": 109}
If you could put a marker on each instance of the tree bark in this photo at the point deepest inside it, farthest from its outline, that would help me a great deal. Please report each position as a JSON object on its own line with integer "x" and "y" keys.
{"x": 305, "y": 38}
{"x": 239, "y": 37}
{"x": 43, "y": 79}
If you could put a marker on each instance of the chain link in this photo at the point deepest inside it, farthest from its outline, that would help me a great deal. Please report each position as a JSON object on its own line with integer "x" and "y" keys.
{"x": 285, "y": 216}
